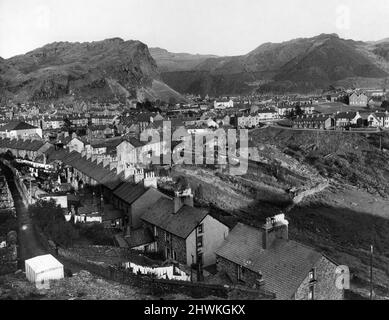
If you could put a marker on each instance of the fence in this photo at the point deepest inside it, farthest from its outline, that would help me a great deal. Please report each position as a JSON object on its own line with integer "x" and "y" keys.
{"x": 150, "y": 284}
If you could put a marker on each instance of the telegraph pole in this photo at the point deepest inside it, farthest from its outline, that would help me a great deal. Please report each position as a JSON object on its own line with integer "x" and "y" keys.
{"x": 371, "y": 272}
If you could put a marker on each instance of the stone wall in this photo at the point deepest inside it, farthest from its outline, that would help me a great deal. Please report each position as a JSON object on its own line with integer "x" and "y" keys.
{"x": 248, "y": 277}
{"x": 324, "y": 286}
{"x": 177, "y": 244}
{"x": 8, "y": 259}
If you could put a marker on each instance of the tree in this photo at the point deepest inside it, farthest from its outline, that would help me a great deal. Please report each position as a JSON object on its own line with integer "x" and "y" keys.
{"x": 298, "y": 111}
{"x": 51, "y": 220}
{"x": 385, "y": 105}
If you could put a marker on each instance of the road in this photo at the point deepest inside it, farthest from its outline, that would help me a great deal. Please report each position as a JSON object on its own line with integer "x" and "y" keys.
{"x": 28, "y": 244}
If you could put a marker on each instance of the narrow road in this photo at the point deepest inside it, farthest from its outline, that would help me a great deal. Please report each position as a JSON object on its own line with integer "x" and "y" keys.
{"x": 29, "y": 246}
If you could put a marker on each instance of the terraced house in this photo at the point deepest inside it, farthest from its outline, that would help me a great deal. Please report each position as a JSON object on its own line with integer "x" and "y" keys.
{"x": 266, "y": 258}
{"x": 319, "y": 121}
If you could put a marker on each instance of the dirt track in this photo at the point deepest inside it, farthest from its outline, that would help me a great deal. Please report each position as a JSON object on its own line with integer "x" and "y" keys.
{"x": 29, "y": 246}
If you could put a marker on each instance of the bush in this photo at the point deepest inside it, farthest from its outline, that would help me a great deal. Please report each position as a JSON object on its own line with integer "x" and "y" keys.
{"x": 96, "y": 233}
{"x": 50, "y": 218}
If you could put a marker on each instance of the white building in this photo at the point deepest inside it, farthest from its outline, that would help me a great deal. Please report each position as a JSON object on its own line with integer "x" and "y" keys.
{"x": 18, "y": 129}
{"x": 41, "y": 269}
{"x": 223, "y": 104}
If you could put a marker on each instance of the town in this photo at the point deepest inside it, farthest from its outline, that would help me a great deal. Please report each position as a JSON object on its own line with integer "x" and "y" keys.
{"x": 89, "y": 164}
{"x": 200, "y": 157}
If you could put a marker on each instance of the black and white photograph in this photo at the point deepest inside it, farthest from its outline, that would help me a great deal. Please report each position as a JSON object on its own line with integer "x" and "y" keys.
{"x": 198, "y": 157}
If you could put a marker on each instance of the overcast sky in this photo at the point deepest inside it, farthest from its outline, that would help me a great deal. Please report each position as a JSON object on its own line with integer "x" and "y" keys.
{"x": 222, "y": 27}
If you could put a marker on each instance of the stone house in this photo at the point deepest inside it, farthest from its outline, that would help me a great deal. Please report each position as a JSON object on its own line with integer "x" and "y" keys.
{"x": 134, "y": 198}
{"x": 266, "y": 258}
{"x": 184, "y": 233}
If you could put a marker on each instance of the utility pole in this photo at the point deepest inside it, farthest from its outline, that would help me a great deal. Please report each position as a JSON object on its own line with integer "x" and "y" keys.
{"x": 371, "y": 272}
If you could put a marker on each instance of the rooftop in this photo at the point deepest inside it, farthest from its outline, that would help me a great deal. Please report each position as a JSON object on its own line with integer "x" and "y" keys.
{"x": 283, "y": 266}
{"x": 181, "y": 224}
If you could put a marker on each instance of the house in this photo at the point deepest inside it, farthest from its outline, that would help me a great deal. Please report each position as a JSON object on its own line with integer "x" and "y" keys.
{"x": 78, "y": 120}
{"x": 253, "y": 120}
{"x": 19, "y": 129}
{"x": 35, "y": 150}
{"x": 319, "y": 121}
{"x": 100, "y": 131}
{"x": 358, "y": 100}
{"x": 345, "y": 119}
{"x": 223, "y": 104}
{"x": 133, "y": 151}
{"x": 266, "y": 258}
{"x": 133, "y": 198}
{"x": 102, "y": 120}
{"x": 285, "y": 110}
{"x": 49, "y": 122}
{"x": 75, "y": 144}
{"x": 182, "y": 232}
{"x": 378, "y": 119}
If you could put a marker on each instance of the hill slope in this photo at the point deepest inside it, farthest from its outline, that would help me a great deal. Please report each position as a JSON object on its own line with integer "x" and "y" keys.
{"x": 108, "y": 70}
{"x": 304, "y": 64}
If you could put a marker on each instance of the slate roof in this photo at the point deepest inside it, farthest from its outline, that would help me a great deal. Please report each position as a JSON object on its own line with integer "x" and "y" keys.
{"x": 20, "y": 144}
{"x": 283, "y": 266}
{"x": 345, "y": 115}
{"x": 139, "y": 237}
{"x": 180, "y": 224}
{"x": 129, "y": 192}
{"x": 93, "y": 170}
{"x": 17, "y": 125}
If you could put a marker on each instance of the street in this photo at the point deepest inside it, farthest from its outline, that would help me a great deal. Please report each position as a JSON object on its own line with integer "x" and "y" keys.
{"x": 28, "y": 245}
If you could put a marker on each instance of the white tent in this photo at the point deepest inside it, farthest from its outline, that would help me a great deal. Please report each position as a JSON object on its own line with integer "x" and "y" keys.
{"x": 41, "y": 269}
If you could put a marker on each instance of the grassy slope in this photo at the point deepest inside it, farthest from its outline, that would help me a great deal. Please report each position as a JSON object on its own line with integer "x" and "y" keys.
{"x": 344, "y": 220}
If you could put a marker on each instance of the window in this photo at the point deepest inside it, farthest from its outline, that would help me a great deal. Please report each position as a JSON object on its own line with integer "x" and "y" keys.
{"x": 155, "y": 232}
{"x": 312, "y": 275}
{"x": 201, "y": 228}
{"x": 168, "y": 237}
{"x": 174, "y": 255}
{"x": 311, "y": 293}
{"x": 167, "y": 253}
{"x": 199, "y": 241}
{"x": 240, "y": 273}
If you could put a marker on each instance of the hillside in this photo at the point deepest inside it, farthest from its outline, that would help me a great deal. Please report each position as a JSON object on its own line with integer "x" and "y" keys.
{"x": 299, "y": 65}
{"x": 108, "y": 70}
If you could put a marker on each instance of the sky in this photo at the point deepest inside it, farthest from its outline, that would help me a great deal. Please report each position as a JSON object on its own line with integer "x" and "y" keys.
{"x": 221, "y": 27}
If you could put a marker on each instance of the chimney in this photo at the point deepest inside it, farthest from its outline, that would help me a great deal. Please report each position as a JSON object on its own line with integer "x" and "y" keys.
{"x": 129, "y": 171}
{"x": 112, "y": 165}
{"x": 150, "y": 180}
{"x": 275, "y": 228}
{"x": 182, "y": 198}
{"x": 139, "y": 175}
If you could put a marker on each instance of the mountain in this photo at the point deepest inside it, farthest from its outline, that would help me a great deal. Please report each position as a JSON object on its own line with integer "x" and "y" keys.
{"x": 168, "y": 61}
{"x": 108, "y": 70}
{"x": 299, "y": 65}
